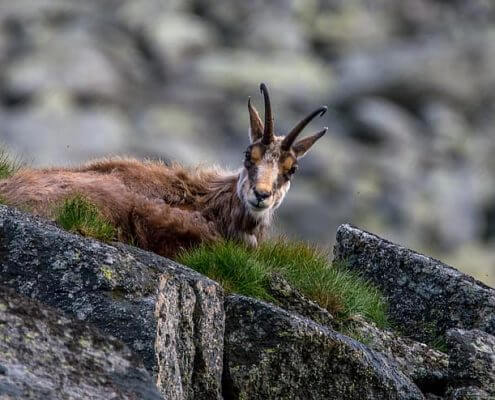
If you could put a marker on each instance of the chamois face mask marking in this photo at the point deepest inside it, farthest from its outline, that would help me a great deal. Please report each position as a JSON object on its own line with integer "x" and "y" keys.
{"x": 271, "y": 160}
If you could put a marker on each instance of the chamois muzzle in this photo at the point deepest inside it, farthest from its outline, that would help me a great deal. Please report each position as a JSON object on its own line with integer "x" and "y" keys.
{"x": 294, "y": 133}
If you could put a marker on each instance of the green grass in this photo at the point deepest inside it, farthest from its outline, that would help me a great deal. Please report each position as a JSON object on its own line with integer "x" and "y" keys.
{"x": 8, "y": 165}
{"x": 438, "y": 343}
{"x": 77, "y": 214}
{"x": 248, "y": 272}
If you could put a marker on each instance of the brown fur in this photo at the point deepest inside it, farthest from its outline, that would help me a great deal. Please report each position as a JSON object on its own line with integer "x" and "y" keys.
{"x": 163, "y": 208}
{"x": 168, "y": 208}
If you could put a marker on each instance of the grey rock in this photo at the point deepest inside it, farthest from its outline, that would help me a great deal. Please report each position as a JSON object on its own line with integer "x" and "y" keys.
{"x": 468, "y": 393}
{"x": 382, "y": 122}
{"x": 175, "y": 36}
{"x": 116, "y": 288}
{"x": 189, "y": 342}
{"x": 419, "y": 68}
{"x": 472, "y": 359}
{"x": 44, "y": 355}
{"x": 273, "y": 354}
{"x": 425, "y": 366}
{"x": 293, "y": 301}
{"x": 71, "y": 62}
{"x": 63, "y": 133}
{"x": 426, "y": 297}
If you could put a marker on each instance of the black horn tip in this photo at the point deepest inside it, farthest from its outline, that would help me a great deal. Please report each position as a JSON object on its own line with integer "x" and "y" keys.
{"x": 322, "y": 132}
{"x": 323, "y": 110}
{"x": 263, "y": 88}
{"x": 249, "y": 101}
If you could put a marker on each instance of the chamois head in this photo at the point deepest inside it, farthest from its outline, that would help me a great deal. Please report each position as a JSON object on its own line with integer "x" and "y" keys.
{"x": 271, "y": 160}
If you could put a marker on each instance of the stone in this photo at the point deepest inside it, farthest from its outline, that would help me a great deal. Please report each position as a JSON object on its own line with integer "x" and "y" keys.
{"x": 167, "y": 314}
{"x": 45, "y": 355}
{"x": 64, "y": 133}
{"x": 378, "y": 121}
{"x": 426, "y": 297}
{"x": 426, "y": 367}
{"x": 189, "y": 341}
{"x": 273, "y": 354}
{"x": 290, "y": 299}
{"x": 468, "y": 393}
{"x": 472, "y": 359}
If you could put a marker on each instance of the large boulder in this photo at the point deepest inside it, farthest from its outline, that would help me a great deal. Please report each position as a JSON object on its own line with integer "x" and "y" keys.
{"x": 426, "y": 297}
{"x": 170, "y": 316}
{"x": 273, "y": 354}
{"x": 44, "y": 355}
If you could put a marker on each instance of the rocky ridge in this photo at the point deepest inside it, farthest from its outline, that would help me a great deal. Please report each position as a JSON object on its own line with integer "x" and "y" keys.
{"x": 141, "y": 326}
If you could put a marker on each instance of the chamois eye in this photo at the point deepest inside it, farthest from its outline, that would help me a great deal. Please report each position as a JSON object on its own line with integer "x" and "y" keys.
{"x": 293, "y": 170}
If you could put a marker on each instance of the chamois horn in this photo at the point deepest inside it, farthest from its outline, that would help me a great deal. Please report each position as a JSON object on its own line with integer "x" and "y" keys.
{"x": 268, "y": 134}
{"x": 292, "y": 135}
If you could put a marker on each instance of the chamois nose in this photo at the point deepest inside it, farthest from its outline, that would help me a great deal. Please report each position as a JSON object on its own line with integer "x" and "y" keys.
{"x": 261, "y": 194}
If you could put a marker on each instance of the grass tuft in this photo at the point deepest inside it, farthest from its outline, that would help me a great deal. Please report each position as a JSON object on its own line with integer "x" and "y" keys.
{"x": 77, "y": 214}
{"x": 307, "y": 268}
{"x": 8, "y": 165}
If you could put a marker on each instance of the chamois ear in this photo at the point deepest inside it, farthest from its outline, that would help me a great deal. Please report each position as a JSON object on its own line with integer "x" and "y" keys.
{"x": 256, "y": 125}
{"x": 302, "y": 146}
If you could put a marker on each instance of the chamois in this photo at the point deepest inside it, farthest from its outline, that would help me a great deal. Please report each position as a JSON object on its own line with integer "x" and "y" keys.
{"x": 166, "y": 208}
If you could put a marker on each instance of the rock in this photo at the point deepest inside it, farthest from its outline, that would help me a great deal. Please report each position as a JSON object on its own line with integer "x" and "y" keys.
{"x": 426, "y": 297}
{"x": 245, "y": 70}
{"x": 378, "y": 121}
{"x": 257, "y": 30}
{"x": 189, "y": 342}
{"x": 116, "y": 288}
{"x": 44, "y": 355}
{"x": 426, "y": 367}
{"x": 71, "y": 62}
{"x": 273, "y": 354}
{"x": 293, "y": 301}
{"x": 456, "y": 205}
{"x": 63, "y": 133}
{"x": 175, "y": 36}
{"x": 417, "y": 69}
{"x": 468, "y": 393}
{"x": 472, "y": 359}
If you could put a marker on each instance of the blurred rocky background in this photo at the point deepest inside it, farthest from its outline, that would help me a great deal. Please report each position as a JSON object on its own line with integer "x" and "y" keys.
{"x": 410, "y": 87}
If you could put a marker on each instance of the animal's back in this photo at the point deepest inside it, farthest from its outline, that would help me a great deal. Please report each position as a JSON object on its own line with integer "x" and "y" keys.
{"x": 114, "y": 185}
{"x": 152, "y": 204}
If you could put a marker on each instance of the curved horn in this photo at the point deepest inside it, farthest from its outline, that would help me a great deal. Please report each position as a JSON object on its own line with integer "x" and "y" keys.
{"x": 268, "y": 134}
{"x": 292, "y": 135}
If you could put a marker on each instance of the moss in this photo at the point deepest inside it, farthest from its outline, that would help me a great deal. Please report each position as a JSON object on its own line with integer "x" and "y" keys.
{"x": 77, "y": 214}
{"x": 108, "y": 273}
{"x": 118, "y": 293}
{"x": 357, "y": 335}
{"x": 439, "y": 343}
{"x": 437, "y": 340}
{"x": 306, "y": 268}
